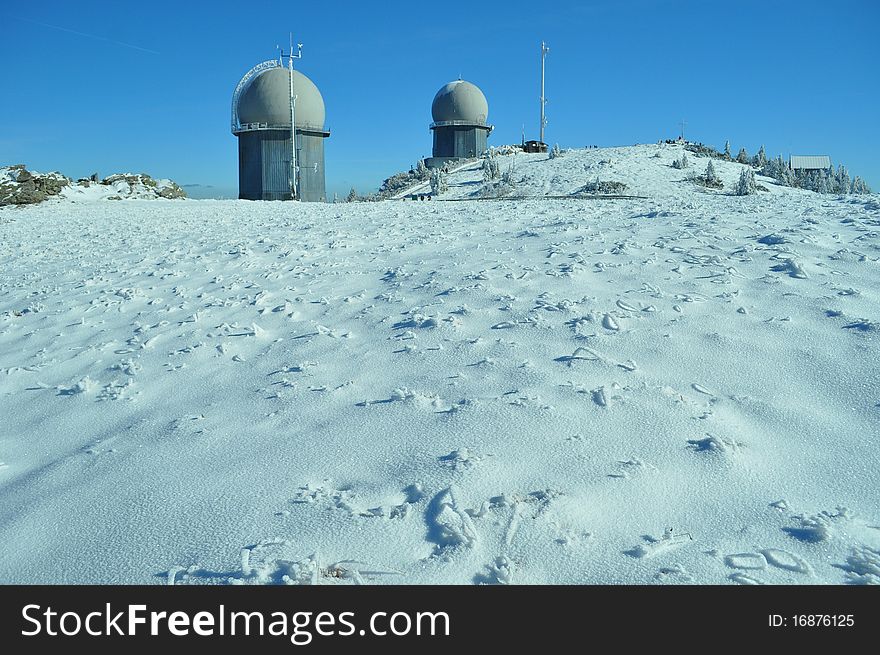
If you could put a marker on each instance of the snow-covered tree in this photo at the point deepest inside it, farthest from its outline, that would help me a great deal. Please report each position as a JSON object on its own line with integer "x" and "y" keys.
{"x": 786, "y": 175}
{"x": 842, "y": 180}
{"x": 746, "y": 185}
{"x": 438, "y": 182}
{"x": 710, "y": 174}
{"x": 491, "y": 169}
{"x": 709, "y": 179}
{"x": 681, "y": 162}
{"x": 771, "y": 168}
{"x": 352, "y": 196}
{"x": 555, "y": 152}
{"x": 727, "y": 149}
{"x": 743, "y": 156}
{"x": 859, "y": 186}
{"x": 422, "y": 170}
{"x": 760, "y": 159}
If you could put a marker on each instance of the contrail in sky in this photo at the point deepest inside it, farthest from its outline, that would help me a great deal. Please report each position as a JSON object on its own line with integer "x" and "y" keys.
{"x": 90, "y": 36}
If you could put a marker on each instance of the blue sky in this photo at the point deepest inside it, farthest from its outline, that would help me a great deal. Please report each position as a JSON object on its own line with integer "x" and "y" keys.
{"x": 111, "y": 87}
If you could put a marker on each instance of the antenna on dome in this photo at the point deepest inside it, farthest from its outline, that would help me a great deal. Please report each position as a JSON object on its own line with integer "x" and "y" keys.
{"x": 293, "y": 168}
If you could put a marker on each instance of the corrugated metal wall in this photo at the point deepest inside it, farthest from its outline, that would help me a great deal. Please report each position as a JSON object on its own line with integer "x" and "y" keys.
{"x": 481, "y": 141}
{"x": 444, "y": 142}
{"x": 275, "y": 146}
{"x": 250, "y": 166}
{"x": 452, "y": 141}
{"x": 264, "y": 166}
{"x": 810, "y": 162}
{"x": 310, "y": 158}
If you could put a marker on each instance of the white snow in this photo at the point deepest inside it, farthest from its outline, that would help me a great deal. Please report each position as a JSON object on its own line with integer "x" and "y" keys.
{"x": 677, "y": 389}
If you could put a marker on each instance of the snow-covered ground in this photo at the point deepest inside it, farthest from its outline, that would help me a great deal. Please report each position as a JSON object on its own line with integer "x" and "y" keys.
{"x": 678, "y": 389}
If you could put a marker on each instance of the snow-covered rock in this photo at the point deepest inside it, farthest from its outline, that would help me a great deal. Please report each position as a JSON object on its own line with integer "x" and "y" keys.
{"x": 18, "y": 186}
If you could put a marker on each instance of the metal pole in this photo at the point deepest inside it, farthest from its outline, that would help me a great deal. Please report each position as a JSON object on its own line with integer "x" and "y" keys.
{"x": 292, "y": 128}
{"x": 292, "y": 175}
{"x": 544, "y": 51}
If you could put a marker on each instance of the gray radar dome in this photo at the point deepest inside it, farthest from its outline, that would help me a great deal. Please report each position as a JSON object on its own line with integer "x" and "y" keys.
{"x": 460, "y": 101}
{"x": 266, "y": 99}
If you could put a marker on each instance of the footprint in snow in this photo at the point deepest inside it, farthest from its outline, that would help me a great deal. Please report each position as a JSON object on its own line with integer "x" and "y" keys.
{"x": 461, "y": 459}
{"x": 632, "y": 465}
{"x": 579, "y": 355}
{"x": 792, "y": 268}
{"x": 498, "y": 572}
{"x": 674, "y": 574}
{"x": 785, "y": 560}
{"x": 713, "y": 444}
{"x": 746, "y": 561}
{"x": 449, "y": 526}
{"x": 610, "y": 323}
{"x": 744, "y": 579}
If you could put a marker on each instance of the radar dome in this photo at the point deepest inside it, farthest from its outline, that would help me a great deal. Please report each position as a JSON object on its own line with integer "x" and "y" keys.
{"x": 266, "y": 99}
{"x": 460, "y": 101}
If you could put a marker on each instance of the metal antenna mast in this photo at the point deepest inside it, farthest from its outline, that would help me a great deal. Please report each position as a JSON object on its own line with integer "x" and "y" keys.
{"x": 683, "y": 124}
{"x": 544, "y": 51}
{"x": 293, "y": 169}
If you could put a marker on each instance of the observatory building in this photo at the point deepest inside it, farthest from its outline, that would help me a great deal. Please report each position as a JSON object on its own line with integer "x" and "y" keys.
{"x": 268, "y": 167}
{"x": 460, "y": 130}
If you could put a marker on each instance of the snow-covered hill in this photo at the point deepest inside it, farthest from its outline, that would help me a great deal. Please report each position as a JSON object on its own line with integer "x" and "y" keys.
{"x": 645, "y": 170}
{"x": 682, "y": 388}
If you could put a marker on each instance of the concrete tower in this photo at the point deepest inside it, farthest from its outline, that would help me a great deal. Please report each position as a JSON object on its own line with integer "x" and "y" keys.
{"x": 460, "y": 130}
{"x": 261, "y": 120}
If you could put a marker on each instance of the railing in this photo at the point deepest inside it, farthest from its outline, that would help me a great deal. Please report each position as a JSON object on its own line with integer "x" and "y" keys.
{"x": 255, "y": 127}
{"x": 476, "y": 123}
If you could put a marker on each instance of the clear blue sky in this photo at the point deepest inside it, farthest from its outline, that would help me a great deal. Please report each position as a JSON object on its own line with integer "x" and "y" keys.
{"x": 114, "y": 87}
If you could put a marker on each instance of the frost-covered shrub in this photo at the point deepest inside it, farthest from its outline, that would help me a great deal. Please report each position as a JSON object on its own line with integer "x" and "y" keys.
{"x": 508, "y": 176}
{"x": 494, "y": 189}
{"x": 400, "y": 181}
{"x": 555, "y": 152}
{"x": 746, "y": 184}
{"x": 681, "y": 162}
{"x": 743, "y": 156}
{"x": 607, "y": 187}
{"x": 506, "y": 150}
{"x": 704, "y": 150}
